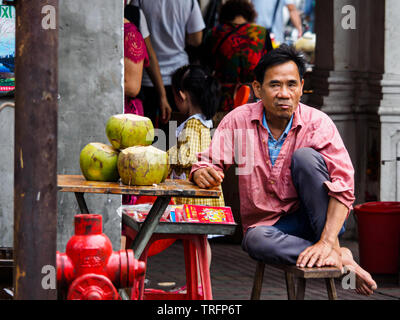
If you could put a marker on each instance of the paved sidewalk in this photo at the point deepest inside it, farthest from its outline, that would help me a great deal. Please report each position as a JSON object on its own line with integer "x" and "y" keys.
{"x": 232, "y": 272}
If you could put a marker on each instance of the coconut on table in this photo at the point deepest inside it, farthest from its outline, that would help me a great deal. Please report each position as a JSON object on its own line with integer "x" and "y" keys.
{"x": 128, "y": 130}
{"x": 131, "y": 156}
{"x": 98, "y": 162}
{"x": 142, "y": 165}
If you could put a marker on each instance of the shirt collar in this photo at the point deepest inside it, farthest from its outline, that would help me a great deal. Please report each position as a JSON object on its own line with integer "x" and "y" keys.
{"x": 199, "y": 116}
{"x": 284, "y": 134}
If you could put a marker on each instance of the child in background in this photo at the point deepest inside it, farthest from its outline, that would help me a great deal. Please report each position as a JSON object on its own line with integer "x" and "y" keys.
{"x": 197, "y": 96}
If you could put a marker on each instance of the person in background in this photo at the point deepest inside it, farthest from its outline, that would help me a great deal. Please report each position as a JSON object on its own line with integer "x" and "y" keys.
{"x": 135, "y": 59}
{"x": 270, "y": 16}
{"x": 197, "y": 96}
{"x": 233, "y": 48}
{"x": 135, "y": 15}
{"x": 309, "y": 13}
{"x": 173, "y": 25}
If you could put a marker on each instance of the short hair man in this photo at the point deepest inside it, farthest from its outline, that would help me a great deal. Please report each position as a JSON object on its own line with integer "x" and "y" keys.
{"x": 295, "y": 175}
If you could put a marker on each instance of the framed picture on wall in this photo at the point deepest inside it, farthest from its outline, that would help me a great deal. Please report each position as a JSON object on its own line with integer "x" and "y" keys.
{"x": 7, "y": 49}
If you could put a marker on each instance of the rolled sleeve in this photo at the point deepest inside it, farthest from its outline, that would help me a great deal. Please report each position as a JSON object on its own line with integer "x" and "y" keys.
{"x": 342, "y": 193}
{"x": 337, "y": 159}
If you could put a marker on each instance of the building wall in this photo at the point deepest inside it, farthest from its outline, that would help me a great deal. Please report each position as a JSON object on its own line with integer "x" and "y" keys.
{"x": 389, "y": 109}
{"x": 357, "y": 82}
{"x": 6, "y": 175}
{"x": 91, "y": 90}
{"x": 347, "y": 85}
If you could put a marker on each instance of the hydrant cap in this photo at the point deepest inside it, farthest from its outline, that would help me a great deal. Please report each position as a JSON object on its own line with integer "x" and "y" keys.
{"x": 86, "y": 224}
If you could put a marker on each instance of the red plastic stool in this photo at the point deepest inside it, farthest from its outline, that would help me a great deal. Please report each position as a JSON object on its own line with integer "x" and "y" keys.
{"x": 195, "y": 249}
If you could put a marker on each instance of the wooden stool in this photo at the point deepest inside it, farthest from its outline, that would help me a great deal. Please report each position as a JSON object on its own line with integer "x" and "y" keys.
{"x": 302, "y": 274}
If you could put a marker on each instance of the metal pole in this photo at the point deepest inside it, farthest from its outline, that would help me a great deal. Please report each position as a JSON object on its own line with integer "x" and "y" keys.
{"x": 35, "y": 171}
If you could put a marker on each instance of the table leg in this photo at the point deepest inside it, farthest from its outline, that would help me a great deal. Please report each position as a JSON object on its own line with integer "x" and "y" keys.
{"x": 149, "y": 225}
{"x": 201, "y": 245}
{"x": 81, "y": 202}
{"x": 192, "y": 290}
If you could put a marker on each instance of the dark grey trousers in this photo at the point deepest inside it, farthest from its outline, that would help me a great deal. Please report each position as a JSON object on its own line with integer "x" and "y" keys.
{"x": 294, "y": 232}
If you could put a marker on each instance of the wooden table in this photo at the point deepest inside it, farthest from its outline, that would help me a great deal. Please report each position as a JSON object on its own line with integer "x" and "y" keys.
{"x": 164, "y": 191}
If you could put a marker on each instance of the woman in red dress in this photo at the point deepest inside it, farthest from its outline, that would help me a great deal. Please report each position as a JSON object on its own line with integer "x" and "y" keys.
{"x": 135, "y": 59}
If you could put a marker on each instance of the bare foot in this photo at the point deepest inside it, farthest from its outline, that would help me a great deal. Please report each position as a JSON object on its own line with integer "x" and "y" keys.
{"x": 364, "y": 282}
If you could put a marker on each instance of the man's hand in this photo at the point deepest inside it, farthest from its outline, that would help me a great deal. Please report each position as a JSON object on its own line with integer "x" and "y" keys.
{"x": 208, "y": 177}
{"x": 320, "y": 254}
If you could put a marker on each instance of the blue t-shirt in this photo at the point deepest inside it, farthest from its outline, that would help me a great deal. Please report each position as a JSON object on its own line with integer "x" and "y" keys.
{"x": 169, "y": 21}
{"x": 274, "y": 146}
{"x": 265, "y": 12}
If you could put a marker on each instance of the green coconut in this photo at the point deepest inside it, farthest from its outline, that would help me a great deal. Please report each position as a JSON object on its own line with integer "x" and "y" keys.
{"x": 128, "y": 130}
{"x": 98, "y": 162}
{"x": 142, "y": 166}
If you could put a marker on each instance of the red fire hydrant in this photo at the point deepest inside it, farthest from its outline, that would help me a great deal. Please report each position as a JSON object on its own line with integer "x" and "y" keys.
{"x": 90, "y": 269}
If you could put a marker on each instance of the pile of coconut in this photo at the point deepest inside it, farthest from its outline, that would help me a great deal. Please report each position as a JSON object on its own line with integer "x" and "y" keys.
{"x": 130, "y": 156}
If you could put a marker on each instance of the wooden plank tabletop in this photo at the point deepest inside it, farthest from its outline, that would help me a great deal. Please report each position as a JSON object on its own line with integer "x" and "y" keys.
{"x": 174, "y": 188}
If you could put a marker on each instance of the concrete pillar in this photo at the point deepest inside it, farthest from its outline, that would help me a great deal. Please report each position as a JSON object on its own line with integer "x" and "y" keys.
{"x": 347, "y": 83}
{"x": 333, "y": 75}
{"x": 91, "y": 90}
{"x": 367, "y": 97}
{"x": 7, "y": 128}
{"x": 6, "y": 174}
{"x": 389, "y": 109}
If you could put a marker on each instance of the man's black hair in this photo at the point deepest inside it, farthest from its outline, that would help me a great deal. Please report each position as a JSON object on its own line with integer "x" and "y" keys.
{"x": 279, "y": 56}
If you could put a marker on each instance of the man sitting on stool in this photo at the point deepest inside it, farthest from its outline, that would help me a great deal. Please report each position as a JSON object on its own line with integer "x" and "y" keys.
{"x": 295, "y": 175}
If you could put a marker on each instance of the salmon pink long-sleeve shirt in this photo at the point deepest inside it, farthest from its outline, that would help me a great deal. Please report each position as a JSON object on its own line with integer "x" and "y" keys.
{"x": 267, "y": 192}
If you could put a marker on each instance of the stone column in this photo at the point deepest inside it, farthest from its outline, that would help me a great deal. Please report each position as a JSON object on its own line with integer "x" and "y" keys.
{"x": 367, "y": 95}
{"x": 7, "y": 174}
{"x": 334, "y": 72}
{"x": 346, "y": 83}
{"x": 389, "y": 109}
{"x": 333, "y": 75}
{"x": 91, "y": 90}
